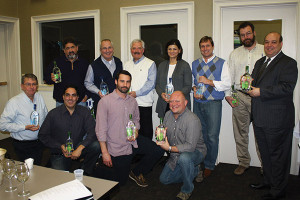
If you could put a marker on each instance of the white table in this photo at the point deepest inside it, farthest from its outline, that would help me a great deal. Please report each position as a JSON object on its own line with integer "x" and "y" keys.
{"x": 42, "y": 178}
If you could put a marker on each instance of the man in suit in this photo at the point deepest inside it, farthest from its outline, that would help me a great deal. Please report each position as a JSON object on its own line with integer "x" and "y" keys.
{"x": 274, "y": 79}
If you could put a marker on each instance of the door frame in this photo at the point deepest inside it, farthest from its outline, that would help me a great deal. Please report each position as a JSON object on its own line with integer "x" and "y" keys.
{"x": 218, "y": 6}
{"x": 170, "y": 7}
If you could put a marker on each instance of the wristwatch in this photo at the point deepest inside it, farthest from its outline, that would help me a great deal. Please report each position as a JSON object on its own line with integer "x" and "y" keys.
{"x": 170, "y": 148}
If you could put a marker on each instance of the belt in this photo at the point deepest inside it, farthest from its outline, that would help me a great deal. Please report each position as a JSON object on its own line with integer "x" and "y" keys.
{"x": 25, "y": 141}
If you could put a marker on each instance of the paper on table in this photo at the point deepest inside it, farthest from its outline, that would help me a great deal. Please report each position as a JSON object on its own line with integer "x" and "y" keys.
{"x": 66, "y": 191}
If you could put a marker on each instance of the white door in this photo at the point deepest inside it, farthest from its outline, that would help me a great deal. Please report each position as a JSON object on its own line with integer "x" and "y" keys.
{"x": 287, "y": 13}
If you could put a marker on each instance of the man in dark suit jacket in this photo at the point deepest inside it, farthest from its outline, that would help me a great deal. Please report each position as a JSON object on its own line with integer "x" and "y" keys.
{"x": 274, "y": 79}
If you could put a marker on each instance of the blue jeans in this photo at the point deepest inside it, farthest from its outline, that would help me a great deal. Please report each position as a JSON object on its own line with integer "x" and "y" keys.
{"x": 210, "y": 114}
{"x": 90, "y": 154}
{"x": 187, "y": 168}
{"x": 80, "y": 103}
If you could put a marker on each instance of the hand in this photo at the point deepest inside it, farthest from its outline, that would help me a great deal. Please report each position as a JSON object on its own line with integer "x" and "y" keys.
{"x": 32, "y": 127}
{"x": 64, "y": 151}
{"x": 255, "y": 92}
{"x": 133, "y": 94}
{"x": 106, "y": 159}
{"x": 164, "y": 96}
{"x": 53, "y": 77}
{"x": 229, "y": 99}
{"x": 164, "y": 145}
{"x": 76, "y": 154}
{"x": 100, "y": 94}
{"x": 136, "y": 134}
{"x": 84, "y": 99}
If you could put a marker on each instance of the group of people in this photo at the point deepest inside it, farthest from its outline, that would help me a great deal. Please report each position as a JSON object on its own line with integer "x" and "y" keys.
{"x": 192, "y": 137}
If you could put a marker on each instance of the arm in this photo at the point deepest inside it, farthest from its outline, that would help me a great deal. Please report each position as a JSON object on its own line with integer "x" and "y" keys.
{"x": 225, "y": 82}
{"x": 150, "y": 83}
{"x": 89, "y": 81}
{"x": 8, "y": 117}
{"x": 105, "y": 155}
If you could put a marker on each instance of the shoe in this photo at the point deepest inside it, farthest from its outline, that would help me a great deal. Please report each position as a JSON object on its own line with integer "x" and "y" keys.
{"x": 199, "y": 177}
{"x": 269, "y": 196}
{"x": 140, "y": 180}
{"x": 207, "y": 173}
{"x": 183, "y": 196}
{"x": 260, "y": 186}
{"x": 240, "y": 170}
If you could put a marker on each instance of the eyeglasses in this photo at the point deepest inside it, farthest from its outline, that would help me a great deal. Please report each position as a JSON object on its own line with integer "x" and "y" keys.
{"x": 106, "y": 48}
{"x": 247, "y": 34}
{"x": 30, "y": 84}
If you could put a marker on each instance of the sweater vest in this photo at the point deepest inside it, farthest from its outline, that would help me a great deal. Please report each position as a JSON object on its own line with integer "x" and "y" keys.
{"x": 139, "y": 73}
{"x": 211, "y": 71}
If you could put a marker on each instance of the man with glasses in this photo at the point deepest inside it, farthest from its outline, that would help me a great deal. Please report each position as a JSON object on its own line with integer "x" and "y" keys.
{"x": 76, "y": 120}
{"x": 246, "y": 55}
{"x": 73, "y": 70}
{"x": 105, "y": 68}
{"x": 16, "y": 120}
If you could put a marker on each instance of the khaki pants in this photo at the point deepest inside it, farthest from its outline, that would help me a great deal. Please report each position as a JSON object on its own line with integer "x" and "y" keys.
{"x": 241, "y": 120}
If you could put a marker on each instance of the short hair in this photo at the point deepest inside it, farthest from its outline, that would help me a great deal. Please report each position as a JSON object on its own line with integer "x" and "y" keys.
{"x": 123, "y": 72}
{"x": 280, "y": 36}
{"x": 177, "y": 43}
{"x": 244, "y": 25}
{"x": 137, "y": 40}
{"x": 31, "y": 76}
{"x": 106, "y": 40}
{"x": 70, "y": 40}
{"x": 205, "y": 39}
{"x": 71, "y": 86}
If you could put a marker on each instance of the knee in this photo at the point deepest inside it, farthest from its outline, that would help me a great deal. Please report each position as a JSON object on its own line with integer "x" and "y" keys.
{"x": 95, "y": 147}
{"x": 163, "y": 179}
{"x": 185, "y": 157}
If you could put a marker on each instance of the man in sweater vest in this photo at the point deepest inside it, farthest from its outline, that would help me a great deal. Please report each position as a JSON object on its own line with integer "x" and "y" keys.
{"x": 211, "y": 71}
{"x": 143, "y": 71}
{"x": 105, "y": 68}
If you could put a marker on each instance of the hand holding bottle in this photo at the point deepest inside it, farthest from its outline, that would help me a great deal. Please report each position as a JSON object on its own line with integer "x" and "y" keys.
{"x": 164, "y": 96}
{"x": 229, "y": 99}
{"x": 64, "y": 151}
{"x": 32, "y": 127}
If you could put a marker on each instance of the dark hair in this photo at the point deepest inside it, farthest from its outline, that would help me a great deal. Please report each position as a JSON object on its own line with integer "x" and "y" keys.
{"x": 70, "y": 40}
{"x": 31, "y": 76}
{"x": 123, "y": 72}
{"x": 177, "y": 43}
{"x": 71, "y": 86}
{"x": 205, "y": 39}
{"x": 280, "y": 36}
{"x": 244, "y": 25}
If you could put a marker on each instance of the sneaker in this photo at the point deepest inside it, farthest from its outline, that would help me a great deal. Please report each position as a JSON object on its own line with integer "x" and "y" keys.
{"x": 207, "y": 173}
{"x": 240, "y": 170}
{"x": 140, "y": 180}
{"x": 183, "y": 196}
{"x": 199, "y": 177}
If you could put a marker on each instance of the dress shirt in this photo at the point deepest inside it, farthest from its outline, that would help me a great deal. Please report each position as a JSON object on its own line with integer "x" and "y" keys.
{"x": 150, "y": 83}
{"x": 89, "y": 78}
{"x": 185, "y": 133}
{"x": 16, "y": 116}
{"x": 239, "y": 59}
{"x": 54, "y": 131}
{"x": 112, "y": 117}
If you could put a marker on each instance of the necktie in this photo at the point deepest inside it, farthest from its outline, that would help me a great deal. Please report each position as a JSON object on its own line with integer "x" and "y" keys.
{"x": 262, "y": 69}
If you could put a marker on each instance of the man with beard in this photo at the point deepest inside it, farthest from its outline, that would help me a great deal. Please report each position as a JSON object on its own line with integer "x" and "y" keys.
{"x": 117, "y": 150}
{"x": 73, "y": 70}
{"x": 246, "y": 55}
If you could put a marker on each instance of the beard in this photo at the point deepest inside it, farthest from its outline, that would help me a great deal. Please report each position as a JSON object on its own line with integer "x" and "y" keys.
{"x": 123, "y": 89}
{"x": 248, "y": 42}
{"x": 72, "y": 55}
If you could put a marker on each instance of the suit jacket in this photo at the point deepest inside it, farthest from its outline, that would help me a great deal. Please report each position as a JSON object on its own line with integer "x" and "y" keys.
{"x": 181, "y": 80}
{"x": 274, "y": 108}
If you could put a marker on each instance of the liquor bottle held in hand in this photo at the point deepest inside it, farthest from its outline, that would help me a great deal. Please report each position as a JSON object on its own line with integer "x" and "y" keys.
{"x": 34, "y": 117}
{"x": 160, "y": 132}
{"x": 130, "y": 128}
{"x": 69, "y": 144}
{"x": 104, "y": 88}
{"x": 56, "y": 72}
{"x": 246, "y": 80}
{"x": 169, "y": 88}
{"x": 234, "y": 96}
{"x": 199, "y": 90}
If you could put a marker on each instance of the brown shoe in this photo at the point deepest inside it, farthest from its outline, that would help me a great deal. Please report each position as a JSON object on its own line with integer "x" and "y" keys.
{"x": 240, "y": 170}
{"x": 207, "y": 173}
{"x": 140, "y": 180}
{"x": 199, "y": 177}
{"x": 183, "y": 196}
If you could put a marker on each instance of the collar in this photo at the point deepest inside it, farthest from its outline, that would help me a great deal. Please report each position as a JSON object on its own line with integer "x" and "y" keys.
{"x": 115, "y": 95}
{"x": 210, "y": 59}
{"x": 77, "y": 58}
{"x": 273, "y": 56}
{"x": 65, "y": 110}
{"x": 27, "y": 98}
{"x": 136, "y": 62}
{"x": 107, "y": 62}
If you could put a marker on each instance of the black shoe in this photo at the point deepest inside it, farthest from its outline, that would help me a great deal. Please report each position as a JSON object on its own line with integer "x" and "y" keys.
{"x": 269, "y": 196}
{"x": 260, "y": 186}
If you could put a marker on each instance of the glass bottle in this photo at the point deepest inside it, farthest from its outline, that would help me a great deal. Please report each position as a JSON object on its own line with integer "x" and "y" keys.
{"x": 34, "y": 116}
{"x": 169, "y": 88}
{"x": 56, "y": 72}
{"x": 90, "y": 105}
{"x": 199, "y": 90}
{"x": 234, "y": 95}
{"x": 160, "y": 132}
{"x": 130, "y": 128}
{"x": 69, "y": 144}
{"x": 103, "y": 88}
{"x": 246, "y": 80}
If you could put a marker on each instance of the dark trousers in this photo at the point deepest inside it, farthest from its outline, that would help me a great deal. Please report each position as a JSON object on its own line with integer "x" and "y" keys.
{"x": 29, "y": 149}
{"x": 275, "y": 146}
{"x": 151, "y": 154}
{"x": 146, "y": 128}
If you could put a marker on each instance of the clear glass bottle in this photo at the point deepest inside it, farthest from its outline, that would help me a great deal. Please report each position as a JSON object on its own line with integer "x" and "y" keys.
{"x": 103, "y": 88}
{"x": 69, "y": 144}
{"x": 34, "y": 116}
{"x": 90, "y": 105}
{"x": 130, "y": 128}
{"x": 169, "y": 88}
{"x": 199, "y": 90}
{"x": 160, "y": 132}
{"x": 234, "y": 95}
{"x": 246, "y": 80}
{"x": 56, "y": 72}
